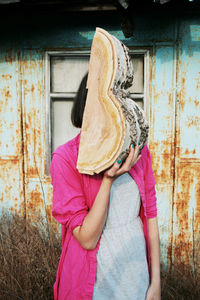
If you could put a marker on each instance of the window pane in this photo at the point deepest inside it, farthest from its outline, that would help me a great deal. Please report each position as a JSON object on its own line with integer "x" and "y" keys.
{"x": 62, "y": 128}
{"x": 67, "y": 73}
{"x": 138, "y": 81}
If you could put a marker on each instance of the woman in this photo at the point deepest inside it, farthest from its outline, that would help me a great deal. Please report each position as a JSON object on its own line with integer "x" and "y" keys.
{"x": 107, "y": 252}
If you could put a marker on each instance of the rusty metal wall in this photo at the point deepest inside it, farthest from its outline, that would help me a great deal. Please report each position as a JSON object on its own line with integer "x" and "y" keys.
{"x": 186, "y": 209}
{"x": 174, "y": 124}
{"x": 38, "y": 190}
{"x": 162, "y": 138}
{"x": 11, "y": 157}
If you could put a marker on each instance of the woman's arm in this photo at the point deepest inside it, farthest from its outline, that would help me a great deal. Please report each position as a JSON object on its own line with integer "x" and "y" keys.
{"x": 154, "y": 291}
{"x": 89, "y": 232}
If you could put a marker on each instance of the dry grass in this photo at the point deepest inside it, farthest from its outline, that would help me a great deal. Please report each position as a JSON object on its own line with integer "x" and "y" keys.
{"x": 181, "y": 284}
{"x": 29, "y": 258}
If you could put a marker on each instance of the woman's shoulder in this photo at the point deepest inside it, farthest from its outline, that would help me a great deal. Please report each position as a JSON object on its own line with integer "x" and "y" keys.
{"x": 65, "y": 156}
{"x": 69, "y": 148}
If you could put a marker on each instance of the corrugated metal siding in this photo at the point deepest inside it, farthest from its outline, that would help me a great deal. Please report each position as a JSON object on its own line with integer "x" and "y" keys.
{"x": 174, "y": 127}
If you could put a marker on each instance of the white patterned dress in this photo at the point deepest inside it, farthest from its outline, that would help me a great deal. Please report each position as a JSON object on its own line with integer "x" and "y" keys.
{"x": 122, "y": 269}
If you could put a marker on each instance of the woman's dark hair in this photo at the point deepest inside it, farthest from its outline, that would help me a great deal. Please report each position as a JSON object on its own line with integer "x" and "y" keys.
{"x": 79, "y": 103}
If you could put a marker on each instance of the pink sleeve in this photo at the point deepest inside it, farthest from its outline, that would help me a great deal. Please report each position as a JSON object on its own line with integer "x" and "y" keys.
{"x": 69, "y": 204}
{"x": 150, "y": 187}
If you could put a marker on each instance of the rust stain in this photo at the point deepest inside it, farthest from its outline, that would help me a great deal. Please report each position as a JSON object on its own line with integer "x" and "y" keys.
{"x": 189, "y": 152}
{"x": 6, "y": 77}
{"x": 49, "y": 212}
{"x": 7, "y": 94}
{"x": 170, "y": 97}
{"x": 181, "y": 94}
{"x": 40, "y": 87}
{"x": 37, "y": 205}
{"x": 187, "y": 175}
{"x": 193, "y": 121}
{"x": 32, "y": 171}
{"x": 52, "y": 221}
{"x": 197, "y": 210}
{"x": 180, "y": 101}
{"x": 36, "y": 200}
{"x": 196, "y": 102}
{"x": 1, "y": 198}
{"x": 40, "y": 151}
{"x": 9, "y": 59}
{"x": 169, "y": 251}
{"x": 33, "y": 142}
{"x": 31, "y": 89}
{"x": 26, "y": 63}
{"x": 163, "y": 164}
{"x": 30, "y": 117}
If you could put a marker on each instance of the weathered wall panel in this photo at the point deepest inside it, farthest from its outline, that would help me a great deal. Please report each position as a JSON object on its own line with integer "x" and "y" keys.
{"x": 11, "y": 158}
{"x": 39, "y": 202}
{"x": 162, "y": 139}
{"x": 33, "y": 100}
{"x": 10, "y": 106}
{"x": 186, "y": 230}
{"x": 11, "y": 187}
{"x": 186, "y": 215}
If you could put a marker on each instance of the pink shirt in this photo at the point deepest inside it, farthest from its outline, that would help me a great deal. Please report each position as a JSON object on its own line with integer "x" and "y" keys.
{"x": 73, "y": 196}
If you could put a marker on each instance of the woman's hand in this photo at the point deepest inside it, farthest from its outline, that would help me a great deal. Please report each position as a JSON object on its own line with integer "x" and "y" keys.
{"x": 90, "y": 231}
{"x": 154, "y": 292}
{"x": 117, "y": 169}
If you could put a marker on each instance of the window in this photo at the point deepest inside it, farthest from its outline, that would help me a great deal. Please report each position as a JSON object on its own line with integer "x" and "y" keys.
{"x": 137, "y": 89}
{"x": 64, "y": 72}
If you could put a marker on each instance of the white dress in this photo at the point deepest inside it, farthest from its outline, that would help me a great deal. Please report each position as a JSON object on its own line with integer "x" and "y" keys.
{"x": 122, "y": 269}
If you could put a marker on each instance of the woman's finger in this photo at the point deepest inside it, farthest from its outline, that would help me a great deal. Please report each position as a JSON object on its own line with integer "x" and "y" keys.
{"x": 118, "y": 169}
{"x": 114, "y": 168}
{"x": 135, "y": 156}
{"x": 130, "y": 156}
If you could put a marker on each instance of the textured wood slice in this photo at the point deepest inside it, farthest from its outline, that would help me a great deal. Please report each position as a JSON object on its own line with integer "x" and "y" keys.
{"x": 103, "y": 129}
